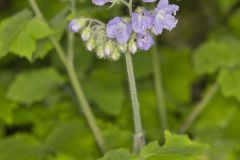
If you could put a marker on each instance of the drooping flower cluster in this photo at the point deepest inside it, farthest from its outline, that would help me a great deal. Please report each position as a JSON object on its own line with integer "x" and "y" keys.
{"x": 126, "y": 34}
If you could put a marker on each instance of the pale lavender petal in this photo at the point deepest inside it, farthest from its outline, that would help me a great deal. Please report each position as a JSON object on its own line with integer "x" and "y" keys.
{"x": 170, "y": 9}
{"x": 164, "y": 17}
{"x": 149, "y": 1}
{"x": 118, "y": 29}
{"x": 142, "y": 21}
{"x": 162, "y": 3}
{"x": 100, "y": 2}
{"x": 74, "y": 26}
{"x": 144, "y": 41}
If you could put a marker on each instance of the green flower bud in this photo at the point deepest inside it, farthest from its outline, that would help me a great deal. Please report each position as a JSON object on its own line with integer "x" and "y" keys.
{"x": 139, "y": 9}
{"x": 91, "y": 44}
{"x": 115, "y": 55}
{"x": 100, "y": 52}
{"x": 86, "y": 33}
{"x": 132, "y": 46}
{"x": 82, "y": 22}
{"x": 108, "y": 48}
{"x": 122, "y": 47}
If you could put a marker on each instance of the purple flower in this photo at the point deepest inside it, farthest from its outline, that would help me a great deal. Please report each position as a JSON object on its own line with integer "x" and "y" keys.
{"x": 119, "y": 29}
{"x": 100, "y": 2}
{"x": 74, "y": 26}
{"x": 144, "y": 41}
{"x": 142, "y": 21}
{"x": 149, "y": 0}
{"x": 163, "y": 17}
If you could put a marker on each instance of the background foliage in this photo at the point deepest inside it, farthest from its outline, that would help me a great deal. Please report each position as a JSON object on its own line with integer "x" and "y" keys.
{"x": 38, "y": 114}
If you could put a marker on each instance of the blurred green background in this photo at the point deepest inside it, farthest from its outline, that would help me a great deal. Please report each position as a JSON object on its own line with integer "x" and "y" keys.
{"x": 39, "y": 116}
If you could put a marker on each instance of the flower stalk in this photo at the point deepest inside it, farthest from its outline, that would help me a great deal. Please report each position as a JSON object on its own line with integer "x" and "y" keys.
{"x": 71, "y": 36}
{"x": 139, "y": 139}
{"x": 68, "y": 63}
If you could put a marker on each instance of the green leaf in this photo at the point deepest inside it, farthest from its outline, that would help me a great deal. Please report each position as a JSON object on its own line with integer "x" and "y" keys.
{"x": 61, "y": 156}
{"x": 7, "y": 107}
{"x": 25, "y": 43}
{"x": 210, "y": 119}
{"x": 10, "y": 29}
{"x": 142, "y": 64}
{"x": 150, "y": 116}
{"x": 176, "y": 147}
{"x": 73, "y": 138}
{"x": 34, "y": 86}
{"x": 177, "y": 62}
{"x": 58, "y": 24}
{"x": 220, "y": 119}
{"x": 119, "y": 154}
{"x": 234, "y": 23}
{"x": 118, "y": 137}
{"x": 38, "y": 29}
{"x": 105, "y": 89}
{"x": 229, "y": 80}
{"x": 149, "y": 150}
{"x": 20, "y": 147}
{"x": 216, "y": 54}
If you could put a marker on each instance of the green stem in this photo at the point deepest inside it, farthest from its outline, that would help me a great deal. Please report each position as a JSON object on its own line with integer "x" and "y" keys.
{"x": 139, "y": 140}
{"x": 159, "y": 89}
{"x": 71, "y": 37}
{"x": 130, "y": 7}
{"x": 199, "y": 108}
{"x": 84, "y": 106}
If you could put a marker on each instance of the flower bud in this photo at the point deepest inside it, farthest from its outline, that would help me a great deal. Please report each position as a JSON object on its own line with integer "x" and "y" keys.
{"x": 91, "y": 44}
{"x": 108, "y": 48}
{"x": 132, "y": 47}
{"x": 122, "y": 47}
{"x": 86, "y": 33}
{"x": 76, "y": 24}
{"x": 139, "y": 9}
{"x": 100, "y": 51}
{"x": 115, "y": 55}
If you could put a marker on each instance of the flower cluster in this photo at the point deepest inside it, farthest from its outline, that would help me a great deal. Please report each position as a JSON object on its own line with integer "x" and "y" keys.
{"x": 126, "y": 34}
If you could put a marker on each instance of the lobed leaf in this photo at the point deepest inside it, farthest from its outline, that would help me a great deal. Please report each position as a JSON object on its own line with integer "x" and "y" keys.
{"x": 176, "y": 147}
{"x": 118, "y": 154}
{"x": 229, "y": 80}
{"x": 20, "y": 147}
{"x": 10, "y": 28}
{"x": 33, "y": 86}
{"x": 19, "y": 34}
{"x": 216, "y": 54}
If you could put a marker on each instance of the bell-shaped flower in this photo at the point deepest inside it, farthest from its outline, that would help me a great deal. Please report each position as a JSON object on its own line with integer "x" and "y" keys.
{"x": 118, "y": 29}
{"x": 141, "y": 21}
{"x": 164, "y": 17}
{"x": 144, "y": 41}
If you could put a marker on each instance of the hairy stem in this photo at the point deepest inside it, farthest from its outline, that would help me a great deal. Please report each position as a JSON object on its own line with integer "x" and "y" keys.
{"x": 130, "y": 6}
{"x": 199, "y": 108}
{"x": 139, "y": 140}
{"x": 161, "y": 105}
{"x": 71, "y": 37}
{"x": 84, "y": 106}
